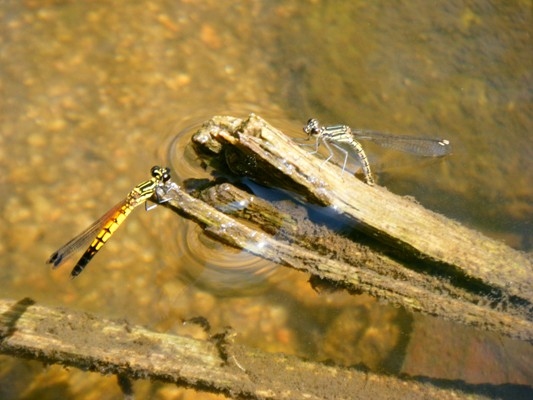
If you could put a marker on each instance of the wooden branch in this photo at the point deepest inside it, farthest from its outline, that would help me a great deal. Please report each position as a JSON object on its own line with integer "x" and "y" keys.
{"x": 263, "y": 153}
{"x": 255, "y": 148}
{"x": 416, "y": 293}
{"x": 84, "y": 341}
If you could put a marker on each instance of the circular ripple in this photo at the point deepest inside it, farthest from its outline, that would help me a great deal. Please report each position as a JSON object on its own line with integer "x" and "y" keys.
{"x": 203, "y": 261}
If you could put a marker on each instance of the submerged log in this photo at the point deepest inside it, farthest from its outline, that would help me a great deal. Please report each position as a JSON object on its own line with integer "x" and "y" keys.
{"x": 84, "y": 341}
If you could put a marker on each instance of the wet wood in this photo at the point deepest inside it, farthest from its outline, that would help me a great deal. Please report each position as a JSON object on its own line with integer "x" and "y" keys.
{"x": 373, "y": 273}
{"x": 81, "y": 340}
{"x": 478, "y": 271}
{"x": 295, "y": 228}
{"x": 255, "y": 148}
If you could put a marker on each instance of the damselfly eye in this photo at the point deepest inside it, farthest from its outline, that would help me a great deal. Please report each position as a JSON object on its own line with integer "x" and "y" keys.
{"x": 312, "y": 127}
{"x": 156, "y": 171}
{"x": 166, "y": 175}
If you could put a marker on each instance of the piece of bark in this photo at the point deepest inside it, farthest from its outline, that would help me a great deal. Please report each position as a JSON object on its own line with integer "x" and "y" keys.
{"x": 84, "y": 341}
{"x": 261, "y": 152}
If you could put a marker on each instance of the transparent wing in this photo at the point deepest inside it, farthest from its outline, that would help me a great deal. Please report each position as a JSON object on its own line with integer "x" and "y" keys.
{"x": 427, "y": 147}
{"x": 84, "y": 239}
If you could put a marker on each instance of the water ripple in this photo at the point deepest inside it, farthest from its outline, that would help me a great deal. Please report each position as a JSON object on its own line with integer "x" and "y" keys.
{"x": 203, "y": 261}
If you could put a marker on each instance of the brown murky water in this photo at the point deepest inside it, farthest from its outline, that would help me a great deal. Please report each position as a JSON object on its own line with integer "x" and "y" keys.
{"x": 93, "y": 93}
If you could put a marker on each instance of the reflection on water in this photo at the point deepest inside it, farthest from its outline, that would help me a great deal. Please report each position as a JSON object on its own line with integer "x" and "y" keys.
{"x": 90, "y": 90}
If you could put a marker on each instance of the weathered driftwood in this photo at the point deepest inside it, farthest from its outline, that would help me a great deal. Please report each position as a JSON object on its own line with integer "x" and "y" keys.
{"x": 475, "y": 265}
{"x": 269, "y": 156}
{"x": 81, "y": 340}
{"x": 303, "y": 233}
{"x": 375, "y": 274}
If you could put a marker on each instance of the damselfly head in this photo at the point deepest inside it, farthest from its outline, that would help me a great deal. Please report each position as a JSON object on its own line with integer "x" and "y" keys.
{"x": 312, "y": 128}
{"x": 160, "y": 173}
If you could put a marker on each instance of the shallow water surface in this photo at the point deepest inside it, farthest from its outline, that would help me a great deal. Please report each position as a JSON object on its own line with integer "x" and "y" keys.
{"x": 94, "y": 93}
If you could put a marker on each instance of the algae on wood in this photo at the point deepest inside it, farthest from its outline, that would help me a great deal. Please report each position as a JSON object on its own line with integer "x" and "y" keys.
{"x": 376, "y": 274}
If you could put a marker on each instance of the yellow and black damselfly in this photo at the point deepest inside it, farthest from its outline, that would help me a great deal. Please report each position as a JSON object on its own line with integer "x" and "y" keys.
{"x": 96, "y": 235}
{"x": 339, "y": 135}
